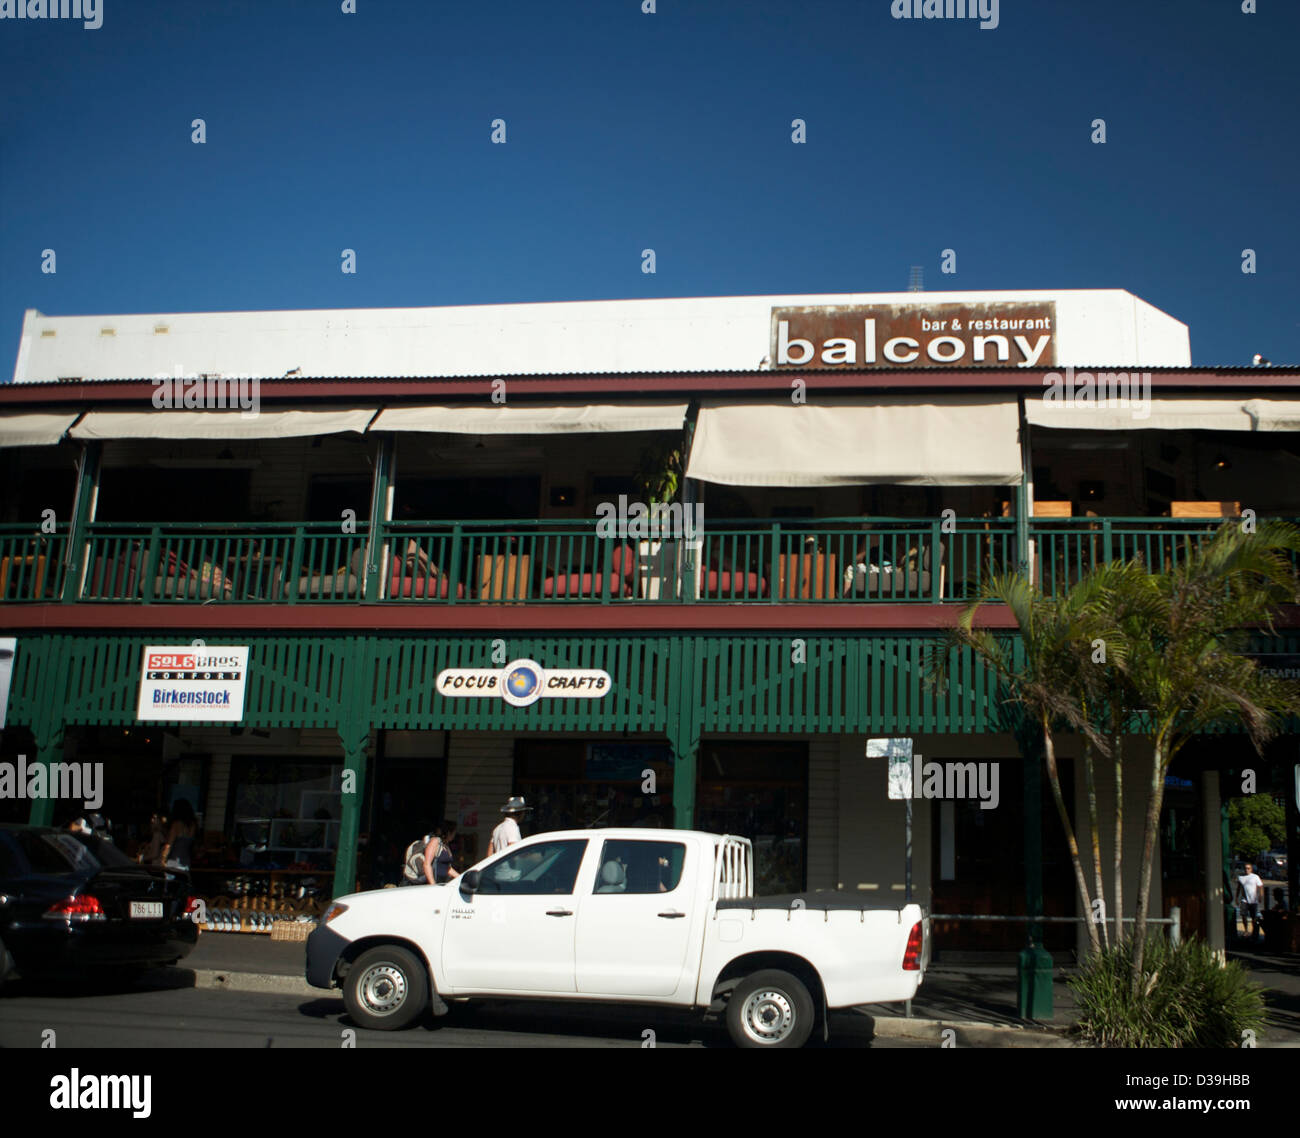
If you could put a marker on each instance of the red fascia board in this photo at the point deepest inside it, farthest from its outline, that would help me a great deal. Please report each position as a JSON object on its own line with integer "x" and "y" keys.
{"x": 625, "y": 618}
{"x": 395, "y": 391}
{"x": 391, "y": 617}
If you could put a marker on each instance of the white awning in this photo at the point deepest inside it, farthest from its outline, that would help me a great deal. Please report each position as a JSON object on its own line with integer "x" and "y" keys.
{"x": 950, "y": 440}
{"x": 165, "y": 424}
{"x": 33, "y": 430}
{"x": 1166, "y": 414}
{"x": 534, "y": 419}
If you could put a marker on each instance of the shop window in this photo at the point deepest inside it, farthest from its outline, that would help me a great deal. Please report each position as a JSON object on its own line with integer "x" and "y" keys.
{"x": 640, "y": 867}
{"x": 285, "y": 811}
{"x": 573, "y": 785}
{"x": 545, "y": 868}
{"x": 759, "y": 791}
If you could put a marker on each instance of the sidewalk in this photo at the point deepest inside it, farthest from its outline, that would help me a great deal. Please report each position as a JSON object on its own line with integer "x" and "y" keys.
{"x": 977, "y": 1001}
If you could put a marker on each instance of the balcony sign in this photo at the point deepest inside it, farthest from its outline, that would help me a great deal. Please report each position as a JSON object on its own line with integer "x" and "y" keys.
{"x": 914, "y": 335}
{"x": 183, "y": 682}
{"x": 524, "y": 682}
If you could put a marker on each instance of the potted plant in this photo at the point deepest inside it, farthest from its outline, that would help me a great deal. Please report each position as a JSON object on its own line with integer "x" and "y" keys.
{"x": 658, "y": 478}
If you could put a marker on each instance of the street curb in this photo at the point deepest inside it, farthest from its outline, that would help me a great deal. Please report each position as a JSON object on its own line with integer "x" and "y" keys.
{"x": 972, "y": 1032}
{"x": 254, "y": 982}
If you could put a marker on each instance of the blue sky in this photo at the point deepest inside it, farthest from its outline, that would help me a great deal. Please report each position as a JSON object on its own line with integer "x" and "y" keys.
{"x": 672, "y": 131}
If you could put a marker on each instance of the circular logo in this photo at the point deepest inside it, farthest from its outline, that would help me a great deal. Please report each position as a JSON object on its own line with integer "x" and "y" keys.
{"x": 523, "y": 683}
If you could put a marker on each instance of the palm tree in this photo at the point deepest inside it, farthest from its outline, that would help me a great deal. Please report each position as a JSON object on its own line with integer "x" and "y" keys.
{"x": 1054, "y": 682}
{"x": 1186, "y": 669}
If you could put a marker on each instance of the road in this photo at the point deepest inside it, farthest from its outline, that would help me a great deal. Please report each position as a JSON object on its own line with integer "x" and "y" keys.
{"x": 164, "y": 1016}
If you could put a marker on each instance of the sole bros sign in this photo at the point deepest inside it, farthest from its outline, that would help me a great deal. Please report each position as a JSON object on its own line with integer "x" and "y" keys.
{"x": 911, "y": 335}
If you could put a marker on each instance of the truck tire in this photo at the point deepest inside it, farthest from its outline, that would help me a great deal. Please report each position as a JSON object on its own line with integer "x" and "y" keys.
{"x": 770, "y": 1009}
{"x": 386, "y": 989}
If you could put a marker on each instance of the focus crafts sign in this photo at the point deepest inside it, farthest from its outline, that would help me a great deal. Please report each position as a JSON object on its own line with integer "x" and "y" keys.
{"x": 524, "y": 682}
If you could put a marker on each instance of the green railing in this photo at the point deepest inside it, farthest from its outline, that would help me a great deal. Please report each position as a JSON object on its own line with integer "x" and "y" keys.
{"x": 240, "y": 561}
{"x": 1064, "y": 549}
{"x": 32, "y": 562}
{"x": 570, "y": 561}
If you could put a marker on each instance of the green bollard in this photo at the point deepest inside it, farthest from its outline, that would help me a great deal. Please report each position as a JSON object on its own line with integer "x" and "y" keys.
{"x": 1035, "y": 984}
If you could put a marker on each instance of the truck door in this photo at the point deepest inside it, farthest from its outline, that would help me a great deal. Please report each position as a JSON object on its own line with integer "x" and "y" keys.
{"x": 517, "y": 932}
{"x": 641, "y": 918}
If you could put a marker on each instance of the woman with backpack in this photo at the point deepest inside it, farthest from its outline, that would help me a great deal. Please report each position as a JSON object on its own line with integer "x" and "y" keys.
{"x": 428, "y": 860}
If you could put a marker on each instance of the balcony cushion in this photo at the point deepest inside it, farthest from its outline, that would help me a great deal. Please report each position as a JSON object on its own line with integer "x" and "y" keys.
{"x": 622, "y": 564}
{"x": 405, "y": 583}
{"x": 734, "y": 583}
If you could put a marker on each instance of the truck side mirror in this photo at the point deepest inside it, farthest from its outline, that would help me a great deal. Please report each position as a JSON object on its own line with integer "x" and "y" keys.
{"x": 469, "y": 882}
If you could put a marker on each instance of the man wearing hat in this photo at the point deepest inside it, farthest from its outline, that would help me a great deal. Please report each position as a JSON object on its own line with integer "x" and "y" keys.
{"x": 507, "y": 831}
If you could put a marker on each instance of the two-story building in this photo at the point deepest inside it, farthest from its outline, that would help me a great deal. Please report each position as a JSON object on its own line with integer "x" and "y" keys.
{"x": 427, "y": 529}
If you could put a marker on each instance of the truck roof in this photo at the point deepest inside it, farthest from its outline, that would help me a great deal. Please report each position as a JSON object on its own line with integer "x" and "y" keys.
{"x": 644, "y": 833}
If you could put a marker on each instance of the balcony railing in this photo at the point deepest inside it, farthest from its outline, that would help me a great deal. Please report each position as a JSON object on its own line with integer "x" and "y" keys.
{"x": 805, "y": 561}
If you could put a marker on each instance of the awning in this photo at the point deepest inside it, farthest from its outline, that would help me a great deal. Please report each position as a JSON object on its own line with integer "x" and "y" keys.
{"x": 951, "y": 440}
{"x": 534, "y": 419}
{"x": 165, "y": 424}
{"x": 33, "y": 430}
{"x": 1166, "y": 414}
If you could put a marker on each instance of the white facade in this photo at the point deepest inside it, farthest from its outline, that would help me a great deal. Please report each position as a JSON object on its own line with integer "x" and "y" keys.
{"x": 1094, "y": 328}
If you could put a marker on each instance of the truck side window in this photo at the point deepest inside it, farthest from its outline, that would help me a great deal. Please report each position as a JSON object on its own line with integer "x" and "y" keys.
{"x": 632, "y": 866}
{"x": 546, "y": 867}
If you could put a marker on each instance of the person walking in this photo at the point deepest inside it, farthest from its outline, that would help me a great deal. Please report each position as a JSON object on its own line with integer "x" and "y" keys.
{"x": 507, "y": 831}
{"x": 1249, "y": 887}
{"x": 178, "y": 849}
{"x": 437, "y": 857}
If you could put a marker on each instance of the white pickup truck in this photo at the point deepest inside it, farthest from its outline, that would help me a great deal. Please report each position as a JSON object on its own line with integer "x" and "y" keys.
{"x": 633, "y": 916}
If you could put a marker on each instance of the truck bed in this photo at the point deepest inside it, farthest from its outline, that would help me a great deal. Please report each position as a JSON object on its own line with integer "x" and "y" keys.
{"x": 824, "y": 902}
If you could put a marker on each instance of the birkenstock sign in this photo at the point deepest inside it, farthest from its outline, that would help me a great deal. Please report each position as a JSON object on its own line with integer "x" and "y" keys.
{"x": 914, "y": 335}
{"x": 524, "y": 682}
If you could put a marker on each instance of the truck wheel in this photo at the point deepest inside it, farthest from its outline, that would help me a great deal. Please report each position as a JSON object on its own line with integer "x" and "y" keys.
{"x": 770, "y": 1009}
{"x": 386, "y": 988}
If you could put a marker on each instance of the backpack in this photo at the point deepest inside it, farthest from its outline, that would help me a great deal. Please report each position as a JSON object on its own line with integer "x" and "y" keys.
{"x": 414, "y": 858}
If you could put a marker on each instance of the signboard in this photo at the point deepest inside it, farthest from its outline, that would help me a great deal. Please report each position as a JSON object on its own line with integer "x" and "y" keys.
{"x": 914, "y": 335}
{"x": 8, "y": 650}
{"x": 1279, "y": 665}
{"x": 182, "y": 682}
{"x": 523, "y": 682}
{"x": 899, "y": 754}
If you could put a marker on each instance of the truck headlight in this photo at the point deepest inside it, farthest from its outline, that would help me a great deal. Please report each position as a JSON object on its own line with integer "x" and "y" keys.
{"x": 335, "y": 910}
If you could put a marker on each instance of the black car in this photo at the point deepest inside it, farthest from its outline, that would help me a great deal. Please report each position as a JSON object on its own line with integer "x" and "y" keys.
{"x": 75, "y": 904}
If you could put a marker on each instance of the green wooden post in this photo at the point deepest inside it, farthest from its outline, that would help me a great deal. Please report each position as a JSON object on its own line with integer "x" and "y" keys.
{"x": 1035, "y": 1000}
{"x": 684, "y": 727}
{"x": 49, "y": 749}
{"x": 354, "y": 734}
{"x": 379, "y": 515}
{"x": 47, "y": 719}
{"x": 73, "y": 553}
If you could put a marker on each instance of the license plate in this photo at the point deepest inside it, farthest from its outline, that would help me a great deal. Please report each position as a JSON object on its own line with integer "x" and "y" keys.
{"x": 146, "y": 909}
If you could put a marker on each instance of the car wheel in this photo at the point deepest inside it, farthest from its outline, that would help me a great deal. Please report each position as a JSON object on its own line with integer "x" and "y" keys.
{"x": 386, "y": 988}
{"x": 770, "y": 1009}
